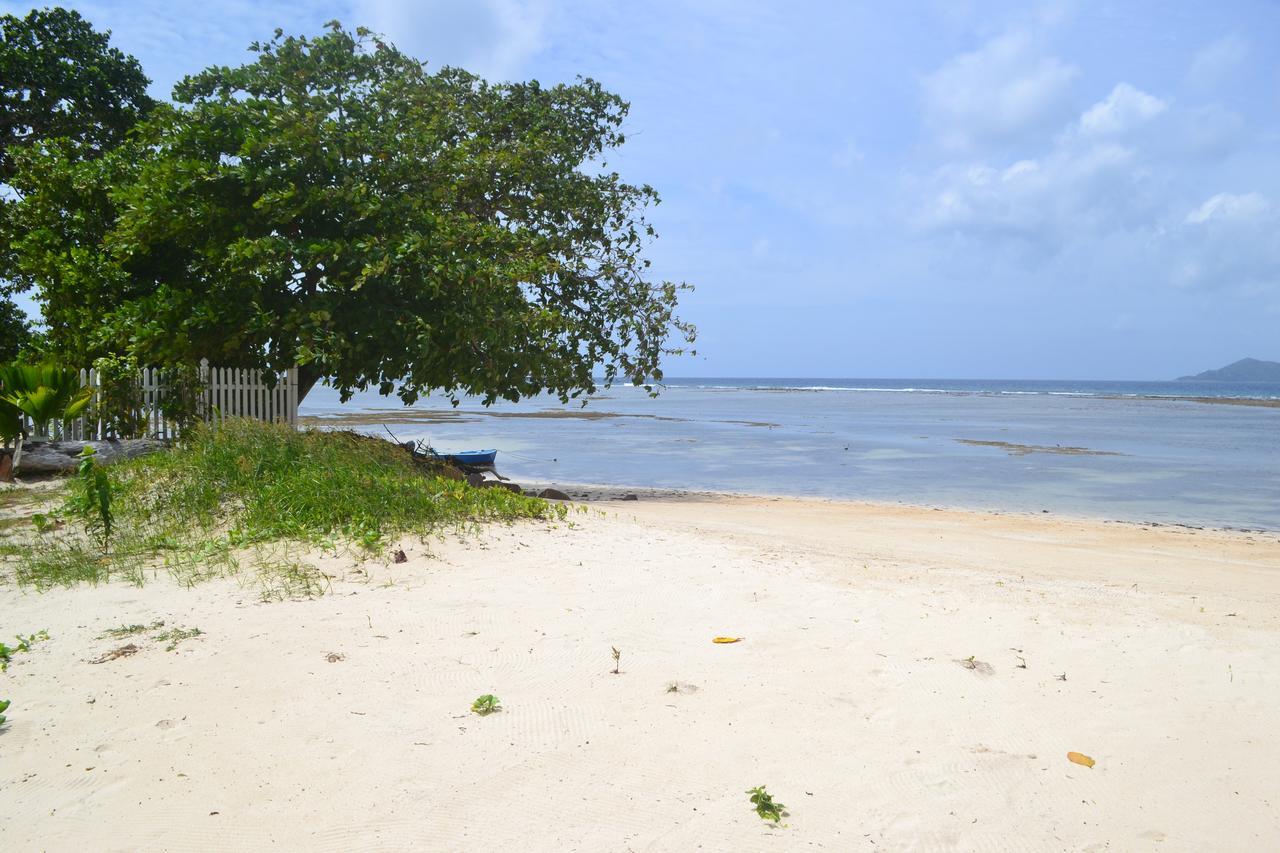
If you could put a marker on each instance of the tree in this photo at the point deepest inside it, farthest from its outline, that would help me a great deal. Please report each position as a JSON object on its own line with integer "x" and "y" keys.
{"x": 15, "y": 330}
{"x": 59, "y": 78}
{"x": 334, "y": 205}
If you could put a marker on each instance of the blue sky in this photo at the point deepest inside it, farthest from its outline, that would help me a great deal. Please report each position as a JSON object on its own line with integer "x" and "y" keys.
{"x": 930, "y": 189}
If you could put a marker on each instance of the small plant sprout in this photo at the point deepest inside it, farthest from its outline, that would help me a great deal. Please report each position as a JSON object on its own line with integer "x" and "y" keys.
{"x": 617, "y": 659}
{"x": 486, "y": 705}
{"x": 174, "y": 636}
{"x": 129, "y": 630}
{"x": 765, "y": 806}
{"x": 24, "y": 645}
{"x": 4, "y": 706}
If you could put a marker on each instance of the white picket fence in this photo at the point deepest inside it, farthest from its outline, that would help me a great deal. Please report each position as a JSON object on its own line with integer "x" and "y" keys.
{"x": 227, "y": 392}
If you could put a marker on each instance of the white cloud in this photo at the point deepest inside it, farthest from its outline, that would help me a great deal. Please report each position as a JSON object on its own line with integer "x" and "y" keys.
{"x": 1216, "y": 62}
{"x": 1069, "y": 193}
{"x": 999, "y": 92}
{"x": 493, "y": 38}
{"x": 1123, "y": 110}
{"x": 1228, "y": 207}
{"x": 1228, "y": 243}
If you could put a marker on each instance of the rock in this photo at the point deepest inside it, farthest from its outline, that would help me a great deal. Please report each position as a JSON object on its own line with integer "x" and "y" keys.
{"x": 56, "y": 457}
{"x": 445, "y": 470}
{"x": 475, "y": 480}
{"x": 399, "y": 556}
{"x": 554, "y": 495}
{"x": 501, "y": 484}
{"x": 631, "y": 496}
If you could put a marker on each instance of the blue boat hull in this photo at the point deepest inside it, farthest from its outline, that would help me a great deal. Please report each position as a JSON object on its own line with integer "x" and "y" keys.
{"x": 472, "y": 457}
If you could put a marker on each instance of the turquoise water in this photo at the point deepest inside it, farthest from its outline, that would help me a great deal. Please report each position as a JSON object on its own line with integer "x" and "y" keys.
{"x": 1143, "y": 452}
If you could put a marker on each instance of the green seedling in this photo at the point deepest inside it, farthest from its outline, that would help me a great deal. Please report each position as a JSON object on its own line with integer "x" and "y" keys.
{"x": 174, "y": 636}
{"x": 765, "y": 806}
{"x": 130, "y": 630}
{"x": 486, "y": 705}
{"x": 93, "y": 503}
{"x": 24, "y": 645}
{"x": 4, "y": 706}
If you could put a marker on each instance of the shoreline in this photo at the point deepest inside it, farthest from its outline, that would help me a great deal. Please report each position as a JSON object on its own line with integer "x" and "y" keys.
{"x": 605, "y": 493}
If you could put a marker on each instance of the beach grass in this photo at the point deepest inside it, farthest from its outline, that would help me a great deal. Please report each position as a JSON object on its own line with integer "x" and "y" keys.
{"x": 254, "y": 495}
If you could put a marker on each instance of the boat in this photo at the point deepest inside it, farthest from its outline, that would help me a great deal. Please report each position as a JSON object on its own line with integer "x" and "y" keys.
{"x": 471, "y": 458}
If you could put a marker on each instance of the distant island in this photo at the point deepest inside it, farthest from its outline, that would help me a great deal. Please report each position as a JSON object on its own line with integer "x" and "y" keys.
{"x": 1244, "y": 370}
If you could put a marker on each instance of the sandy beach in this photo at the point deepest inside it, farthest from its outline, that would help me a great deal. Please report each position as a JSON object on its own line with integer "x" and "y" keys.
{"x": 908, "y": 679}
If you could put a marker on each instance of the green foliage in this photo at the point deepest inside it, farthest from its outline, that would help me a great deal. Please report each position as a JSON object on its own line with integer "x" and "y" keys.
{"x": 120, "y": 400}
{"x": 183, "y": 401}
{"x": 765, "y": 806}
{"x": 92, "y": 500}
{"x": 130, "y": 630}
{"x": 59, "y": 78}
{"x": 10, "y": 418}
{"x": 24, "y": 645}
{"x": 16, "y": 334}
{"x": 486, "y": 705}
{"x": 334, "y": 205}
{"x": 44, "y": 392}
{"x": 245, "y": 486}
{"x": 4, "y": 706}
{"x": 174, "y": 636}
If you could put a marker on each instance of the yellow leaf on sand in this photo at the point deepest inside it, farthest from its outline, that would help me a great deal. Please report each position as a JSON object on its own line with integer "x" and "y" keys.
{"x": 728, "y": 639}
{"x": 1080, "y": 758}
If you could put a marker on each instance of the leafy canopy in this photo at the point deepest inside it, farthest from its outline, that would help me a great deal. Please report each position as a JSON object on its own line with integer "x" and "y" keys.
{"x": 61, "y": 78}
{"x": 15, "y": 330}
{"x": 333, "y": 204}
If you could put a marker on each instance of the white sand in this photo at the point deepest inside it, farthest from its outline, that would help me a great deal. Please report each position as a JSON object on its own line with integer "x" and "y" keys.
{"x": 846, "y": 698}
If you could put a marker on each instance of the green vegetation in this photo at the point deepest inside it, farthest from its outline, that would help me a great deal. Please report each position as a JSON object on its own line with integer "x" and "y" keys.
{"x": 24, "y": 645}
{"x": 486, "y": 705}
{"x": 91, "y": 499}
{"x": 254, "y": 491}
{"x": 44, "y": 392}
{"x": 16, "y": 334}
{"x": 59, "y": 79}
{"x": 4, "y": 706}
{"x": 765, "y": 806}
{"x": 174, "y": 636}
{"x": 336, "y": 206}
{"x": 130, "y": 630}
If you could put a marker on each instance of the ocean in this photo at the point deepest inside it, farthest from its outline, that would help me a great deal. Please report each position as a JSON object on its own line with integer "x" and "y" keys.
{"x": 1132, "y": 451}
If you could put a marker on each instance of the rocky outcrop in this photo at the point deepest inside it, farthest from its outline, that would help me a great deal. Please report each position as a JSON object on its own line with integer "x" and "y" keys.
{"x": 554, "y": 495}
{"x": 56, "y": 457}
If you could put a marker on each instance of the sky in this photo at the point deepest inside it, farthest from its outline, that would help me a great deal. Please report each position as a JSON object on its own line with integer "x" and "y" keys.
{"x": 1057, "y": 190}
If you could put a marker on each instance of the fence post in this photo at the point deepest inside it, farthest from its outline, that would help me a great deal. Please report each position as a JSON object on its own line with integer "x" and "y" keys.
{"x": 291, "y": 400}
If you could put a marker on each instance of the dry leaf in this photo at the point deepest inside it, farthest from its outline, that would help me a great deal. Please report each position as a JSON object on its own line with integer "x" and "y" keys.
{"x": 728, "y": 639}
{"x": 1080, "y": 758}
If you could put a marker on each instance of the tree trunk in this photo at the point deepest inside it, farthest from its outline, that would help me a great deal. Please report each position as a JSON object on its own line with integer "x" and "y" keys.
{"x": 308, "y": 376}
{"x": 55, "y": 457}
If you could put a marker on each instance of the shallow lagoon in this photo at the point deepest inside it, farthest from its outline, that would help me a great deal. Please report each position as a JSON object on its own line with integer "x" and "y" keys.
{"x": 1131, "y": 451}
